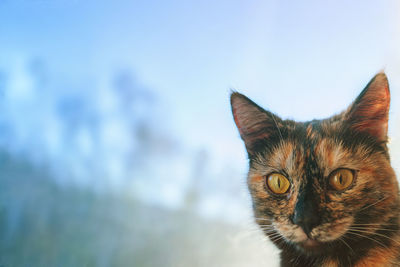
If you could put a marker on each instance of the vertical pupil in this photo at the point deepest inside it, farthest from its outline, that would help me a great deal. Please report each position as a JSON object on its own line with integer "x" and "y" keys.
{"x": 340, "y": 179}
{"x": 279, "y": 183}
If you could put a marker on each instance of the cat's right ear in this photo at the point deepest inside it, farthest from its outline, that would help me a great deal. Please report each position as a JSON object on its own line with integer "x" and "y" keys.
{"x": 254, "y": 123}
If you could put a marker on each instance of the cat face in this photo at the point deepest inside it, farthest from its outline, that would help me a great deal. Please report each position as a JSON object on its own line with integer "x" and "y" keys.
{"x": 322, "y": 183}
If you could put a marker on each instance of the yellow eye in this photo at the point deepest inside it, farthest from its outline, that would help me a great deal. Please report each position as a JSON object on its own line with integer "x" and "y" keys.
{"x": 278, "y": 183}
{"x": 341, "y": 179}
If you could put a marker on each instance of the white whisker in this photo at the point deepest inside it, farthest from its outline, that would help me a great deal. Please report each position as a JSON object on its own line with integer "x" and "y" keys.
{"x": 362, "y": 231}
{"x": 373, "y": 204}
{"x": 364, "y": 236}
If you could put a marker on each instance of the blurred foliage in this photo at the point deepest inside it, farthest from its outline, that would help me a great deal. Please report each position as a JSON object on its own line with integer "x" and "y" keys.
{"x": 92, "y": 178}
{"x": 44, "y": 224}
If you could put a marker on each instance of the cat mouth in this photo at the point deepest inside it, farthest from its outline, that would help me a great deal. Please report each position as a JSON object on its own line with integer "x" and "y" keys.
{"x": 310, "y": 244}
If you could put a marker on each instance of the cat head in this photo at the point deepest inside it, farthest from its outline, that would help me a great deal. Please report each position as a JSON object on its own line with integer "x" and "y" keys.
{"x": 315, "y": 184}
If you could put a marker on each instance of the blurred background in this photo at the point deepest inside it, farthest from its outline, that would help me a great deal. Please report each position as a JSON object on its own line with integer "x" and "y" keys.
{"x": 117, "y": 144}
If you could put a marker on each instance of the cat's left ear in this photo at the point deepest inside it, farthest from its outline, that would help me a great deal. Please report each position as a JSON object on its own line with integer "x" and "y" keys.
{"x": 370, "y": 111}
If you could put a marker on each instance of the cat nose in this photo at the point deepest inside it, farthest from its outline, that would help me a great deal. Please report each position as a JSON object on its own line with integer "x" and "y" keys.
{"x": 306, "y": 214}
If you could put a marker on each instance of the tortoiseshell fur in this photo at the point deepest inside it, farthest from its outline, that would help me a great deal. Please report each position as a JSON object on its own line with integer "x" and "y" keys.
{"x": 358, "y": 226}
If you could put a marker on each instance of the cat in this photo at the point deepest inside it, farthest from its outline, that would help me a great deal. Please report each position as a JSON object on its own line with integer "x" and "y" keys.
{"x": 324, "y": 191}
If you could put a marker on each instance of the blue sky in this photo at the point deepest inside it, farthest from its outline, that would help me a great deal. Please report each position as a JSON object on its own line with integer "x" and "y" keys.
{"x": 301, "y": 60}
